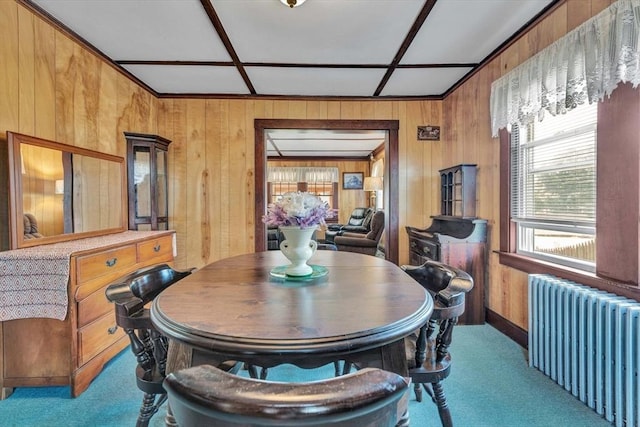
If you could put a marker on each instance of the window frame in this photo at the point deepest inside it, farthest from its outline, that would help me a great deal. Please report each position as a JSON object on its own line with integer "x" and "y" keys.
{"x": 618, "y": 134}
{"x": 579, "y": 132}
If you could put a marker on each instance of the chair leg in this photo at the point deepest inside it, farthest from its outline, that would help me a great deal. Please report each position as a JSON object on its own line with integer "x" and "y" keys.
{"x": 346, "y": 368}
{"x": 441, "y": 401}
{"x": 149, "y": 407}
{"x": 336, "y": 368}
{"x": 253, "y": 372}
{"x": 417, "y": 390}
{"x": 263, "y": 373}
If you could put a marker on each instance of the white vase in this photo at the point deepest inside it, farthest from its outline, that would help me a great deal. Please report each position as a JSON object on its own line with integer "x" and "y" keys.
{"x": 298, "y": 247}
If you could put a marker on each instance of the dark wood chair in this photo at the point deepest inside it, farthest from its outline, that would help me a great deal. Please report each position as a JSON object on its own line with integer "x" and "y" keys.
{"x": 429, "y": 357}
{"x": 207, "y": 396}
{"x": 130, "y": 295}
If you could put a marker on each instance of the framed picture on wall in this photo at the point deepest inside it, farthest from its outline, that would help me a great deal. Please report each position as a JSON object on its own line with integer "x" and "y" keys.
{"x": 352, "y": 180}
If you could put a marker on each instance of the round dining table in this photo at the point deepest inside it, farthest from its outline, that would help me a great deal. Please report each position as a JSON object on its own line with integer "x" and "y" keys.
{"x": 354, "y": 308}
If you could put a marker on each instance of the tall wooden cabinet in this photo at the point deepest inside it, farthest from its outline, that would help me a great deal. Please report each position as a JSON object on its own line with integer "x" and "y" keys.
{"x": 147, "y": 181}
{"x": 456, "y": 237}
{"x": 73, "y": 351}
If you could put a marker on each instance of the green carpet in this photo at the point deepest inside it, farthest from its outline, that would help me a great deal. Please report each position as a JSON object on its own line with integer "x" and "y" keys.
{"x": 490, "y": 385}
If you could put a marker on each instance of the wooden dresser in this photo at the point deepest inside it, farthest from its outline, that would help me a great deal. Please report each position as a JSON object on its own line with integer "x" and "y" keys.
{"x": 73, "y": 351}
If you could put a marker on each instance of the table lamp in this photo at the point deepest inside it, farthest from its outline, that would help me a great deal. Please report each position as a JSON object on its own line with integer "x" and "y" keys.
{"x": 373, "y": 184}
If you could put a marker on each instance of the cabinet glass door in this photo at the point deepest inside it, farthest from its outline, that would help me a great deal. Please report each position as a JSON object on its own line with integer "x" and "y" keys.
{"x": 161, "y": 189}
{"x": 142, "y": 182}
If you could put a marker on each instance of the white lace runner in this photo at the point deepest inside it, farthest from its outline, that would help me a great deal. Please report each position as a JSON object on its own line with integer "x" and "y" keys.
{"x": 583, "y": 66}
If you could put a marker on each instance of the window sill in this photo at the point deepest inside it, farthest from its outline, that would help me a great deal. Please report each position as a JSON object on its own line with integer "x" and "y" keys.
{"x": 534, "y": 266}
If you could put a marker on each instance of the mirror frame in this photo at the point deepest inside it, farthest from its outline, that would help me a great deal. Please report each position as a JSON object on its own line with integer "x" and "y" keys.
{"x": 16, "y": 211}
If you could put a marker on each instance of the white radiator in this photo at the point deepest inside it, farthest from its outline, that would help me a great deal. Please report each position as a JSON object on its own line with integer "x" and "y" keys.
{"x": 588, "y": 341}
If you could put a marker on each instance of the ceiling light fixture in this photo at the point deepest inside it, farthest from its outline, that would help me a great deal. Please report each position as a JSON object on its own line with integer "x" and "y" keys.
{"x": 292, "y": 3}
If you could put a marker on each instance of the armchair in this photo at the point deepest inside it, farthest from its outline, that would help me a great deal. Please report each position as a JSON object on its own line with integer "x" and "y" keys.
{"x": 363, "y": 243}
{"x": 359, "y": 222}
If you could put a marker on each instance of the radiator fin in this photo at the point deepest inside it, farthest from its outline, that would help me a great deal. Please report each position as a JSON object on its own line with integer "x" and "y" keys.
{"x": 588, "y": 341}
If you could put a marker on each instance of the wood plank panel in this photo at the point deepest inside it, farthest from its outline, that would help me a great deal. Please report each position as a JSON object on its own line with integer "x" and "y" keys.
{"x": 350, "y": 110}
{"x": 44, "y": 83}
{"x": 240, "y": 182}
{"x": 179, "y": 218}
{"x": 249, "y": 143}
{"x": 214, "y": 164}
{"x": 26, "y": 60}
{"x": 9, "y": 68}
{"x": 198, "y": 195}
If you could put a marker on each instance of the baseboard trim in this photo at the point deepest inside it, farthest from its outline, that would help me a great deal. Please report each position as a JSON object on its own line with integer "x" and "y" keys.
{"x": 511, "y": 330}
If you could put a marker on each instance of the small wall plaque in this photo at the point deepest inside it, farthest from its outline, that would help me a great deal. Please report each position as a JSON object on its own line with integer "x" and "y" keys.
{"x": 428, "y": 133}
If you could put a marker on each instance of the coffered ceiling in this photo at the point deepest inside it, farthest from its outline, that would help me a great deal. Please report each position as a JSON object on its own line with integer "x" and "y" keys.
{"x": 323, "y": 48}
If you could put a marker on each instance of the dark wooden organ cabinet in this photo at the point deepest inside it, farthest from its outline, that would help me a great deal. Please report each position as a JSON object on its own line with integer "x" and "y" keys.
{"x": 456, "y": 237}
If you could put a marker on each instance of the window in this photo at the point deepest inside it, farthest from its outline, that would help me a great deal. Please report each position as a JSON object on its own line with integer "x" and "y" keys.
{"x": 321, "y": 181}
{"x": 324, "y": 190}
{"x": 277, "y": 189}
{"x": 553, "y": 188}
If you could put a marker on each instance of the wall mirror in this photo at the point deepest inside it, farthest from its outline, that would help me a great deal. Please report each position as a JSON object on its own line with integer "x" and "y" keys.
{"x": 59, "y": 192}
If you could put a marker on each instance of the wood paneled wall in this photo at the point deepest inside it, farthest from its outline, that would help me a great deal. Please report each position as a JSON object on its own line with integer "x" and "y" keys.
{"x": 211, "y": 165}
{"x": 467, "y": 136}
{"x": 53, "y": 88}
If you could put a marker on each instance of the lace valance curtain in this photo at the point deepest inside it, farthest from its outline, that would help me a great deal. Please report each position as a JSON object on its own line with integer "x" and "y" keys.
{"x": 583, "y": 66}
{"x": 302, "y": 174}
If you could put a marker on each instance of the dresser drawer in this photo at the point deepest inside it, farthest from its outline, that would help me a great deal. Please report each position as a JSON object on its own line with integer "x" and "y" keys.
{"x": 91, "y": 266}
{"x": 93, "y": 306}
{"x": 97, "y": 336}
{"x": 425, "y": 248}
{"x": 160, "y": 248}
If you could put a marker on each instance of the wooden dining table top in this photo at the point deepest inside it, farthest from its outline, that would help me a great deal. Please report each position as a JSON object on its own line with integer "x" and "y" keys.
{"x": 236, "y": 307}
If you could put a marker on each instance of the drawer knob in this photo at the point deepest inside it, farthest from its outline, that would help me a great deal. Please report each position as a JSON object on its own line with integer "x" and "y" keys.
{"x": 112, "y": 330}
{"x": 156, "y": 248}
{"x": 111, "y": 262}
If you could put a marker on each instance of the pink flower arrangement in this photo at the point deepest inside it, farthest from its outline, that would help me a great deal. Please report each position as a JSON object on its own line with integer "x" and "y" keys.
{"x": 299, "y": 209}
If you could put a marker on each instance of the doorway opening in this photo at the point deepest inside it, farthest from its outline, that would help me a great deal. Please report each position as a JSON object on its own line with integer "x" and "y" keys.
{"x": 391, "y": 204}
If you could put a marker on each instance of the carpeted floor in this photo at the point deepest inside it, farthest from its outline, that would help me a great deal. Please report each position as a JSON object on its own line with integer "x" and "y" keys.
{"x": 490, "y": 385}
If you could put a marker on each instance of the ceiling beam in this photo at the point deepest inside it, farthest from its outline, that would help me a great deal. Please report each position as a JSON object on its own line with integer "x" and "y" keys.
{"x": 417, "y": 24}
{"x": 217, "y": 25}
